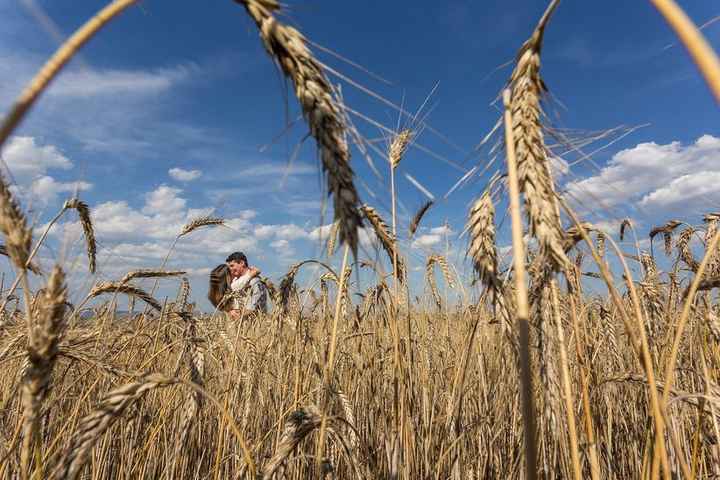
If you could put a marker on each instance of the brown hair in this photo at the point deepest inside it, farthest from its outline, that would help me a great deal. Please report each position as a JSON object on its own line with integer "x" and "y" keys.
{"x": 219, "y": 285}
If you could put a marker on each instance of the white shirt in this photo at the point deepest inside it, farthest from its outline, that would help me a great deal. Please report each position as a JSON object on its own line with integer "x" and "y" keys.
{"x": 257, "y": 298}
{"x": 236, "y": 286}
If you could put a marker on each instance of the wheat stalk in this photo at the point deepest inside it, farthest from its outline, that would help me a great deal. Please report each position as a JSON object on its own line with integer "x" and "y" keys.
{"x": 87, "y": 226}
{"x": 92, "y": 426}
{"x": 42, "y": 352}
{"x": 53, "y": 66}
{"x": 321, "y": 109}
{"x": 298, "y": 426}
{"x": 130, "y": 290}
{"x": 527, "y": 88}
{"x": 31, "y": 266}
{"x": 702, "y": 53}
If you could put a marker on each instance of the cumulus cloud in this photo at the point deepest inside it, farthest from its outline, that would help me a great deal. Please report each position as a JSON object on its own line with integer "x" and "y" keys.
{"x": 656, "y": 176}
{"x": 433, "y": 237}
{"x": 182, "y": 175}
{"x": 46, "y": 189}
{"x": 25, "y": 157}
{"x": 164, "y": 201}
{"x": 427, "y": 240}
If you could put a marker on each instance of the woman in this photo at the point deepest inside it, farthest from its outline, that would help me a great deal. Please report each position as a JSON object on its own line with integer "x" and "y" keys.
{"x": 222, "y": 283}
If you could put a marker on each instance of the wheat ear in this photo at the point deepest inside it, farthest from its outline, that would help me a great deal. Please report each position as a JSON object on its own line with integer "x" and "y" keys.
{"x": 87, "y": 226}
{"x": 666, "y": 231}
{"x": 683, "y": 246}
{"x": 13, "y": 225}
{"x": 415, "y": 222}
{"x": 150, "y": 273}
{"x": 51, "y": 68}
{"x": 536, "y": 183}
{"x": 398, "y": 147}
{"x": 482, "y": 250}
{"x": 130, "y": 290}
{"x": 204, "y": 221}
{"x": 387, "y": 241}
{"x": 321, "y": 109}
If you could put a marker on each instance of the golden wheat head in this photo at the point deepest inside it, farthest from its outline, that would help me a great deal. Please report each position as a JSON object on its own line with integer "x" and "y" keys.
{"x": 321, "y": 109}
{"x": 88, "y": 231}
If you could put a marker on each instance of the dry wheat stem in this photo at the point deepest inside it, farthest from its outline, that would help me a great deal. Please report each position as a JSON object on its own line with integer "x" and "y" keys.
{"x": 702, "y": 53}
{"x": 567, "y": 390}
{"x": 96, "y": 423}
{"x": 521, "y": 296}
{"x": 288, "y": 48}
{"x": 42, "y": 352}
{"x": 640, "y": 345}
{"x": 680, "y": 326}
{"x": 298, "y": 425}
{"x": 330, "y": 363}
{"x": 56, "y": 63}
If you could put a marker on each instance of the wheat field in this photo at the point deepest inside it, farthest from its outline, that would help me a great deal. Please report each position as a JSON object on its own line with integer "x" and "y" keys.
{"x": 531, "y": 375}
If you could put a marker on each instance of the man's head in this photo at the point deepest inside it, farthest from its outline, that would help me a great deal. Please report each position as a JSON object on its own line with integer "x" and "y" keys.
{"x": 237, "y": 263}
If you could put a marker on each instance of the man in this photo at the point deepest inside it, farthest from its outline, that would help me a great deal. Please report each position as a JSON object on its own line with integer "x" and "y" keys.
{"x": 245, "y": 280}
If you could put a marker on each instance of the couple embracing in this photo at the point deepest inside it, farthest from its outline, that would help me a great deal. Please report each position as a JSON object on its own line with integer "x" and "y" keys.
{"x": 236, "y": 277}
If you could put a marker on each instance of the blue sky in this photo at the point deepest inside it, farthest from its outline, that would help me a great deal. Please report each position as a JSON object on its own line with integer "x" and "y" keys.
{"x": 175, "y": 110}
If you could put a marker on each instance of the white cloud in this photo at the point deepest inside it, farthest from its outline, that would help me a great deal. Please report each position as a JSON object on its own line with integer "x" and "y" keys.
{"x": 269, "y": 169}
{"x": 89, "y": 83}
{"x": 442, "y": 230}
{"x": 184, "y": 175}
{"x": 656, "y": 176}
{"x": 284, "y": 232}
{"x": 427, "y": 241}
{"x": 164, "y": 200}
{"x": 321, "y": 233}
{"x": 46, "y": 189}
{"x": 691, "y": 186}
{"x": 559, "y": 168}
{"x": 25, "y": 157}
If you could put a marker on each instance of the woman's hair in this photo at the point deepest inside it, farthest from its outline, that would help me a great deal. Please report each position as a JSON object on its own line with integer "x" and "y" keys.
{"x": 219, "y": 285}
